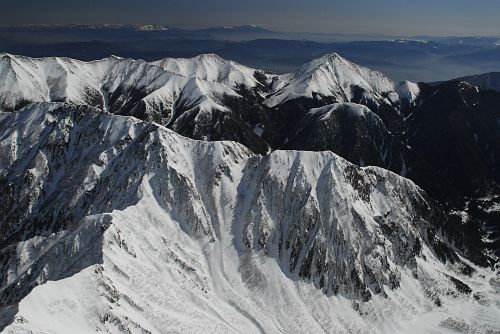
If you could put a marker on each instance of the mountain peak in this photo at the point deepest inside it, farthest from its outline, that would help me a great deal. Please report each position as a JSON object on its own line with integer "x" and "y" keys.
{"x": 210, "y": 57}
{"x": 332, "y": 56}
{"x": 126, "y": 222}
{"x": 326, "y": 60}
{"x": 152, "y": 27}
{"x": 213, "y": 68}
{"x": 115, "y": 57}
{"x": 330, "y": 76}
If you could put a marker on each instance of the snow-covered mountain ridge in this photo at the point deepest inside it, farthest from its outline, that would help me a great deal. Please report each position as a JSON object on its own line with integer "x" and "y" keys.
{"x": 113, "y": 84}
{"x": 129, "y": 227}
{"x": 111, "y": 221}
{"x": 198, "y": 97}
{"x": 210, "y": 98}
{"x": 332, "y": 76}
{"x": 62, "y": 79}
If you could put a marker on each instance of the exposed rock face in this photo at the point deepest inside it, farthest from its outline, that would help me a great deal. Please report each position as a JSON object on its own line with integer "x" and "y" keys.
{"x": 209, "y": 98}
{"x": 455, "y": 126}
{"x": 444, "y": 137}
{"x": 128, "y": 223}
{"x": 354, "y": 132}
{"x": 75, "y": 162}
{"x": 78, "y": 162}
{"x": 295, "y": 208}
{"x": 119, "y": 224}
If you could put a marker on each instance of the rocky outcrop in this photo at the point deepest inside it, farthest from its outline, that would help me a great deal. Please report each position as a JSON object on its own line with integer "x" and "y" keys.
{"x": 127, "y": 223}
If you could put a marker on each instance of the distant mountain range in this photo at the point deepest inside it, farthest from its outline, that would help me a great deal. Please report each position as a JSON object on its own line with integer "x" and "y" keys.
{"x": 239, "y": 33}
{"x": 420, "y": 58}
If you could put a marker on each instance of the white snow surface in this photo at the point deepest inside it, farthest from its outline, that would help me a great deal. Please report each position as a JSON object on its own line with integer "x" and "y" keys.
{"x": 57, "y": 79}
{"x": 211, "y": 67}
{"x": 201, "y": 81}
{"x": 334, "y": 77}
{"x": 323, "y": 113}
{"x": 174, "y": 244}
{"x": 408, "y": 90}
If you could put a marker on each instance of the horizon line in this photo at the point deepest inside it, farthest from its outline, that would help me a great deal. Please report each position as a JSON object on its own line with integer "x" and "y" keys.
{"x": 192, "y": 27}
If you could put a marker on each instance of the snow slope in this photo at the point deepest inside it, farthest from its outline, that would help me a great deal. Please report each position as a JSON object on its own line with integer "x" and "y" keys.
{"x": 113, "y": 84}
{"x": 116, "y": 225}
{"x": 211, "y": 67}
{"x": 163, "y": 81}
{"x": 204, "y": 97}
{"x": 332, "y": 76}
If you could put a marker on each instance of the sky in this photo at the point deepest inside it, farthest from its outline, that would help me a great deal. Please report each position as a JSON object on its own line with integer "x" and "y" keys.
{"x": 399, "y": 17}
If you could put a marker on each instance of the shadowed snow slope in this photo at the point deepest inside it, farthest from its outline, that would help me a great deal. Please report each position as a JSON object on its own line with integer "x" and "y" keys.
{"x": 111, "y": 224}
{"x": 209, "y": 98}
{"x": 190, "y": 96}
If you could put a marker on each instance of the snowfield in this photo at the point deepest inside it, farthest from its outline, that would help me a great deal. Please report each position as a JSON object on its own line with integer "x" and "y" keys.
{"x": 110, "y": 224}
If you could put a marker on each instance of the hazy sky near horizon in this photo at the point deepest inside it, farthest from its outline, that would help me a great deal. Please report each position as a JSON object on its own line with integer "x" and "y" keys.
{"x": 400, "y": 17}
